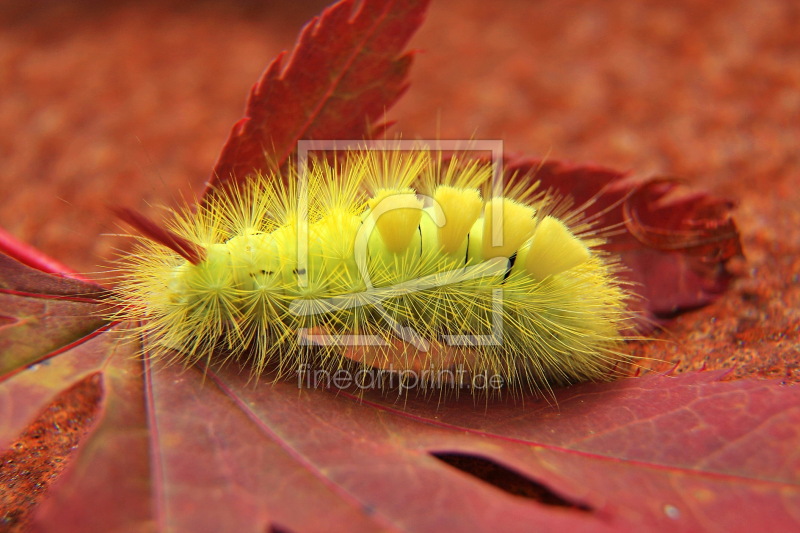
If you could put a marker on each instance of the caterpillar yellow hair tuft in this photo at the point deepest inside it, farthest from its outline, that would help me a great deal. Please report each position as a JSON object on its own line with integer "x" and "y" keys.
{"x": 515, "y": 226}
{"x": 398, "y": 262}
{"x": 461, "y": 209}
{"x": 553, "y": 249}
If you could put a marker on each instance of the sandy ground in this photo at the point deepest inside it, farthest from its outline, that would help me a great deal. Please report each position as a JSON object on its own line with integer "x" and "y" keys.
{"x": 128, "y": 103}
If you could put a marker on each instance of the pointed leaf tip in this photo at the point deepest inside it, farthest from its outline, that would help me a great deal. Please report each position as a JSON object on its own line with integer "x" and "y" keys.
{"x": 346, "y": 69}
{"x": 190, "y": 251}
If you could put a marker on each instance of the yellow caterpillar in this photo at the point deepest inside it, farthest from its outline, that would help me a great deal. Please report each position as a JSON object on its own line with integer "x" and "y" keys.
{"x": 402, "y": 262}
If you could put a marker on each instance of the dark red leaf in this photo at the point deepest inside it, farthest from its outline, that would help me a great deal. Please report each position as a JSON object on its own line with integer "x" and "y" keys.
{"x": 676, "y": 247}
{"x": 40, "y": 313}
{"x": 345, "y": 71}
{"x": 655, "y": 453}
{"x": 108, "y": 485}
{"x": 17, "y": 277}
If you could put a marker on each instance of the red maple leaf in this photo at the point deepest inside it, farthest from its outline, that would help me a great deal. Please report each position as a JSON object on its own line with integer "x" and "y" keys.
{"x": 346, "y": 70}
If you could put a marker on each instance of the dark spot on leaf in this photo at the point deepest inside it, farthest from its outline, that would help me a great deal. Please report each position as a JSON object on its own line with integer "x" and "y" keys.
{"x": 278, "y": 528}
{"x": 508, "y": 480}
{"x": 368, "y": 509}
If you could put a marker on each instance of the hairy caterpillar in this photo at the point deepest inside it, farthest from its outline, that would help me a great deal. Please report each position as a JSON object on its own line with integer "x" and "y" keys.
{"x": 390, "y": 260}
